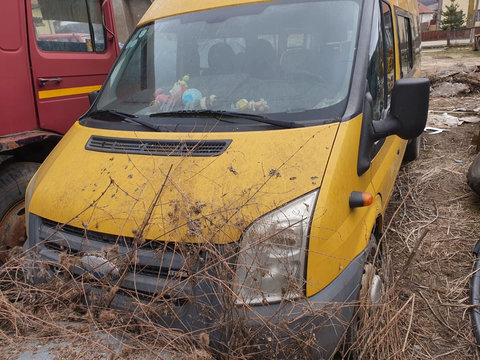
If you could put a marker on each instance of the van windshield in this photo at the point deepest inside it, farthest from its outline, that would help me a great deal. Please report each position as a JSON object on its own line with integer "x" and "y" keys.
{"x": 287, "y": 59}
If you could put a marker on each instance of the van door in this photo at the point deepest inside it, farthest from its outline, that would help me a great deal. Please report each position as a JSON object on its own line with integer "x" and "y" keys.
{"x": 71, "y": 53}
{"x": 381, "y": 79}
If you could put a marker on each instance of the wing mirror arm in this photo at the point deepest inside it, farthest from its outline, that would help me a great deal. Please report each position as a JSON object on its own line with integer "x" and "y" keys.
{"x": 406, "y": 118}
{"x": 386, "y": 127}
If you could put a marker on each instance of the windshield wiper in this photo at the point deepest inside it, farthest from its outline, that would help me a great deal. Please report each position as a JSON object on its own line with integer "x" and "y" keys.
{"x": 106, "y": 114}
{"x": 220, "y": 114}
{"x": 128, "y": 118}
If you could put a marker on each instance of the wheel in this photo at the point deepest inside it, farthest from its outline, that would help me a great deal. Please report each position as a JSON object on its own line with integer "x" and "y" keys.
{"x": 371, "y": 290}
{"x": 412, "y": 150}
{"x": 14, "y": 178}
{"x": 473, "y": 175}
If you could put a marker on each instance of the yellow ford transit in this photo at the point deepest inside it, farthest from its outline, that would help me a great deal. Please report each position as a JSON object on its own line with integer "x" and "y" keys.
{"x": 235, "y": 168}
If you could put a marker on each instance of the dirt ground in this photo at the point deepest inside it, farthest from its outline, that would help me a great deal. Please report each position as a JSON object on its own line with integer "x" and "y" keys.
{"x": 431, "y": 306}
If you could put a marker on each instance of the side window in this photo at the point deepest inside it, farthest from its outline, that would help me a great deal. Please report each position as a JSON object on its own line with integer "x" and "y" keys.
{"x": 69, "y": 25}
{"x": 389, "y": 48}
{"x": 405, "y": 43}
{"x": 381, "y": 67}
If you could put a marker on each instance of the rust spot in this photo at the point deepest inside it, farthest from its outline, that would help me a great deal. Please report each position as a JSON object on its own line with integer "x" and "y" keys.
{"x": 12, "y": 230}
{"x": 22, "y": 139}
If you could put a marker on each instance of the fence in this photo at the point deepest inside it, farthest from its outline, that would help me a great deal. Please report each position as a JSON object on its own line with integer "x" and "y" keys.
{"x": 442, "y": 35}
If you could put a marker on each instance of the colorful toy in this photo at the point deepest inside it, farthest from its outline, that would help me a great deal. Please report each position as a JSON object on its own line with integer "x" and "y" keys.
{"x": 191, "y": 98}
{"x": 175, "y": 93}
{"x": 207, "y": 102}
{"x": 244, "y": 105}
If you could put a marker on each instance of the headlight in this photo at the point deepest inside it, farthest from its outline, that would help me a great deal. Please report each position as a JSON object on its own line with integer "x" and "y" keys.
{"x": 271, "y": 261}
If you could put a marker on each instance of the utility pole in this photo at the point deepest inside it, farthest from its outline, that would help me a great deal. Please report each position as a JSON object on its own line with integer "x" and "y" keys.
{"x": 472, "y": 33}
{"x": 439, "y": 11}
{"x": 471, "y": 19}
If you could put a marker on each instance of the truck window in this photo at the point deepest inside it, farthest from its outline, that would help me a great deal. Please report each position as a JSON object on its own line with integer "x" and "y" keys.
{"x": 69, "y": 25}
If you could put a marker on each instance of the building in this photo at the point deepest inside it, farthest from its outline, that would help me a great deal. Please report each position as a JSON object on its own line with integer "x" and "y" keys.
{"x": 427, "y": 17}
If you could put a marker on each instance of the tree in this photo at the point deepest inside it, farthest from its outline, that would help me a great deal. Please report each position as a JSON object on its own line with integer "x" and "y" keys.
{"x": 452, "y": 19}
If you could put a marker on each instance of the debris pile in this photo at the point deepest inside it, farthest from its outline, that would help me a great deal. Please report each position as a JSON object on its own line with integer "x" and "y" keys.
{"x": 463, "y": 80}
{"x": 459, "y": 85}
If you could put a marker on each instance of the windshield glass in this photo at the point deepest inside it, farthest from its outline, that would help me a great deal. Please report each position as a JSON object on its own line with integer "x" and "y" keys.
{"x": 288, "y": 58}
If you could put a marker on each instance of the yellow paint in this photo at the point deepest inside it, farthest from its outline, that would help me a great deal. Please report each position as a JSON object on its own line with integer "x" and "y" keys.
{"x": 166, "y": 8}
{"x": 46, "y": 94}
{"x": 232, "y": 189}
{"x": 338, "y": 232}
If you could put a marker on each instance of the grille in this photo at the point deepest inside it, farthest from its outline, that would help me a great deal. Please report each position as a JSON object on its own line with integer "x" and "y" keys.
{"x": 156, "y": 259}
{"x": 158, "y": 147}
{"x": 106, "y": 238}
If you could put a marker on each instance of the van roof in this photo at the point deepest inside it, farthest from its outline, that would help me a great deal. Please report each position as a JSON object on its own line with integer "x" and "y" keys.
{"x": 166, "y": 8}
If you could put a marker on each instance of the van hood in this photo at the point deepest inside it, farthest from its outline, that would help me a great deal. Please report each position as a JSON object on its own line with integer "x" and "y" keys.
{"x": 198, "y": 197}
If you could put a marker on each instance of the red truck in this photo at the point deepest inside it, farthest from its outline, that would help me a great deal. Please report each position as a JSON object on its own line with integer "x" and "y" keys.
{"x": 53, "y": 53}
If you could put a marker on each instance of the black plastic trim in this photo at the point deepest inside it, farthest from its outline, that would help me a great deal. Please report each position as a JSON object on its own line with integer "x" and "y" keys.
{"x": 358, "y": 83}
{"x": 157, "y": 147}
{"x": 475, "y": 294}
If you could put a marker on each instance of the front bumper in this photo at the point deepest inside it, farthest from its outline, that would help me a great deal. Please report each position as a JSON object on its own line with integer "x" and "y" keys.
{"x": 195, "y": 297}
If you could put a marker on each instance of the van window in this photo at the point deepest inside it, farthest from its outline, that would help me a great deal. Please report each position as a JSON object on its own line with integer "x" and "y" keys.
{"x": 405, "y": 44}
{"x": 68, "y": 25}
{"x": 381, "y": 67}
{"x": 255, "y": 58}
{"x": 389, "y": 47}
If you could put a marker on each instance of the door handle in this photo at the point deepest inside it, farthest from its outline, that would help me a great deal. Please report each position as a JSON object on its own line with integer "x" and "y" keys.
{"x": 43, "y": 81}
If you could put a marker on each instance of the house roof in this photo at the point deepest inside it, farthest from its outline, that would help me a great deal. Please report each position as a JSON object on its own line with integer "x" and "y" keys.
{"x": 422, "y": 9}
{"x": 428, "y": 3}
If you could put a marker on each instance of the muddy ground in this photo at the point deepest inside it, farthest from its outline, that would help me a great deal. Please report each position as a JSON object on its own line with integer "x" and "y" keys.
{"x": 431, "y": 228}
{"x": 431, "y": 195}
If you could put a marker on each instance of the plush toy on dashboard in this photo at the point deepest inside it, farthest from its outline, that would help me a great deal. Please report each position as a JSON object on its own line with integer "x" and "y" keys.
{"x": 256, "y": 106}
{"x": 191, "y": 98}
{"x": 175, "y": 94}
{"x": 208, "y": 102}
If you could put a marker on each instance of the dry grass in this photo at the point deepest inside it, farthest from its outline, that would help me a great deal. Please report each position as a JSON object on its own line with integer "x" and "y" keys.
{"x": 425, "y": 313}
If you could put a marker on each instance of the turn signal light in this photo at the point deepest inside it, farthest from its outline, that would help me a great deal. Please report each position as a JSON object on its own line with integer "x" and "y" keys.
{"x": 360, "y": 199}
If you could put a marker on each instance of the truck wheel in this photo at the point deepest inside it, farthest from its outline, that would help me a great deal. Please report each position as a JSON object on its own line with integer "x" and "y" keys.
{"x": 412, "y": 150}
{"x": 14, "y": 178}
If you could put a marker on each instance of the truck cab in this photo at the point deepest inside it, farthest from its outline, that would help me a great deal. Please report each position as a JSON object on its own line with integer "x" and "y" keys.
{"x": 53, "y": 53}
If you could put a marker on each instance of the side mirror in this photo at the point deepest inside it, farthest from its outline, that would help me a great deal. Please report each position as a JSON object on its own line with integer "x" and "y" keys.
{"x": 92, "y": 96}
{"x": 408, "y": 110}
{"x": 406, "y": 118}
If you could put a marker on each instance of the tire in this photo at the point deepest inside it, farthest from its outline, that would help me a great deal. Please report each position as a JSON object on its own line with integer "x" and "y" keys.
{"x": 412, "y": 150}
{"x": 473, "y": 175}
{"x": 14, "y": 178}
{"x": 371, "y": 270}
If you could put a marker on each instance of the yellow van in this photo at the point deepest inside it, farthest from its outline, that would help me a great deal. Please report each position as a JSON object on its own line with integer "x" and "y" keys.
{"x": 235, "y": 168}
